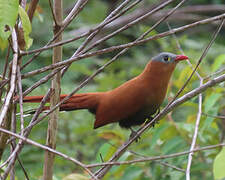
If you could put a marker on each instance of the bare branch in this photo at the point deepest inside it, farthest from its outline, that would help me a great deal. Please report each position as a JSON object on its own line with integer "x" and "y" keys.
{"x": 146, "y": 159}
{"x": 26, "y": 140}
{"x": 131, "y": 44}
{"x": 32, "y": 7}
{"x": 20, "y": 99}
{"x": 100, "y": 26}
{"x": 194, "y": 139}
{"x": 13, "y": 78}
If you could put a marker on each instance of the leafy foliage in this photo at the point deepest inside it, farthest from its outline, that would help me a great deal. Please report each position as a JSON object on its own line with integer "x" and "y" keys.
{"x": 76, "y": 137}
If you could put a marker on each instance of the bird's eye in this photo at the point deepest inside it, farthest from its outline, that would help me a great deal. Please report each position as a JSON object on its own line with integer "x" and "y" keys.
{"x": 166, "y": 58}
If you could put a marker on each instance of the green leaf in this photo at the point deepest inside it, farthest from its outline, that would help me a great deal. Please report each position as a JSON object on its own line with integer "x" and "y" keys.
{"x": 3, "y": 43}
{"x": 172, "y": 145}
{"x": 219, "y": 165}
{"x": 211, "y": 100}
{"x": 75, "y": 176}
{"x": 218, "y": 62}
{"x": 8, "y": 15}
{"x": 157, "y": 133}
{"x": 26, "y": 26}
{"x": 105, "y": 151}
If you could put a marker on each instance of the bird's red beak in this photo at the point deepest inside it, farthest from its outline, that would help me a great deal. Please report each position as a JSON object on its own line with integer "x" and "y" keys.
{"x": 180, "y": 58}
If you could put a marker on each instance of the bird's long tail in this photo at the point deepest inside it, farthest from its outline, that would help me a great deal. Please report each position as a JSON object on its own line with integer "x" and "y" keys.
{"x": 88, "y": 101}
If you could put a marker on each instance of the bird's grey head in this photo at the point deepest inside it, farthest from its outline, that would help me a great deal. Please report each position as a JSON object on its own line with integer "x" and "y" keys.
{"x": 165, "y": 57}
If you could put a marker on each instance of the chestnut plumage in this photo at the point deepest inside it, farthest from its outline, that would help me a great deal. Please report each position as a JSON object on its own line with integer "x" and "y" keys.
{"x": 131, "y": 103}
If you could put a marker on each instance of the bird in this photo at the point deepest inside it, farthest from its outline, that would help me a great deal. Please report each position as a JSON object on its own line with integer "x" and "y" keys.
{"x": 130, "y": 104}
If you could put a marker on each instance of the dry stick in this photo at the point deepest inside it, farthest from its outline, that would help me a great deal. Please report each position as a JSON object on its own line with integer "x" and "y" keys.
{"x": 101, "y": 25}
{"x": 82, "y": 35}
{"x": 186, "y": 13}
{"x": 76, "y": 9}
{"x": 100, "y": 69}
{"x": 32, "y": 8}
{"x": 158, "y": 161}
{"x": 130, "y": 24}
{"x": 198, "y": 116}
{"x": 55, "y": 98}
{"x": 28, "y": 130}
{"x": 181, "y": 50}
{"x": 194, "y": 139}
{"x": 29, "y": 141}
{"x": 52, "y": 11}
{"x": 105, "y": 169}
{"x": 41, "y": 81}
{"x": 170, "y": 166}
{"x": 52, "y": 40}
{"x": 176, "y": 103}
{"x": 91, "y": 30}
{"x": 93, "y": 34}
{"x": 37, "y": 112}
{"x": 199, "y": 61}
{"x": 13, "y": 129}
{"x": 19, "y": 82}
{"x": 20, "y": 163}
{"x": 100, "y": 173}
{"x": 144, "y": 156}
{"x": 215, "y": 73}
{"x": 146, "y": 159}
{"x": 12, "y": 158}
{"x": 13, "y": 78}
{"x": 23, "y": 3}
{"x": 131, "y": 44}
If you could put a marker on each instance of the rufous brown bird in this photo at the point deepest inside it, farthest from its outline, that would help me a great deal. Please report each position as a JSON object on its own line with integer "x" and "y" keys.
{"x": 131, "y": 103}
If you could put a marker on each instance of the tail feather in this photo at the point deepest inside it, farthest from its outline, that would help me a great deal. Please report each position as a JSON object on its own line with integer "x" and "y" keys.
{"x": 78, "y": 101}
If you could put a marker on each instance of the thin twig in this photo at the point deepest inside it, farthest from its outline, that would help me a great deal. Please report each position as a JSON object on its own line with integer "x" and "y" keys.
{"x": 19, "y": 82}
{"x": 158, "y": 161}
{"x": 74, "y": 12}
{"x": 146, "y": 159}
{"x": 131, "y": 44}
{"x": 53, "y": 13}
{"x": 96, "y": 28}
{"x": 103, "y": 67}
{"x": 32, "y": 7}
{"x": 181, "y": 50}
{"x": 194, "y": 139}
{"x": 176, "y": 103}
{"x": 131, "y": 24}
{"x": 13, "y": 78}
{"x": 21, "y": 164}
{"x": 215, "y": 73}
{"x": 54, "y": 38}
{"x": 83, "y": 166}
{"x": 142, "y": 129}
{"x": 209, "y": 115}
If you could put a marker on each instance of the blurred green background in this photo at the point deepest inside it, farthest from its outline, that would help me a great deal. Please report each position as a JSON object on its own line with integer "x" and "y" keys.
{"x": 76, "y": 136}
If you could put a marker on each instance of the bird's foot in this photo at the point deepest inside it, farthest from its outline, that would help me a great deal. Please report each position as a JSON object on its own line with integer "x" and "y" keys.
{"x": 154, "y": 123}
{"x": 134, "y": 133}
{"x": 149, "y": 120}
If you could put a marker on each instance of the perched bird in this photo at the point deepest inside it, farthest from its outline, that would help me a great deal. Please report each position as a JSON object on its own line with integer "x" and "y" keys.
{"x": 131, "y": 103}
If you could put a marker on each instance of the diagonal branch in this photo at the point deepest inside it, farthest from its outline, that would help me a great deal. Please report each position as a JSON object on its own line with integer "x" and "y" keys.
{"x": 131, "y": 44}
{"x": 12, "y": 79}
{"x": 29, "y": 141}
{"x": 146, "y": 159}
